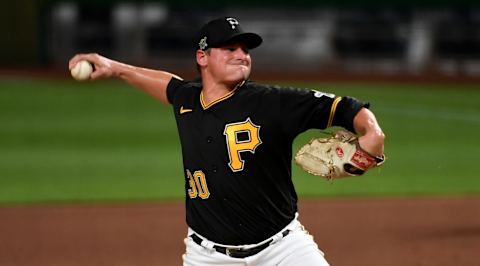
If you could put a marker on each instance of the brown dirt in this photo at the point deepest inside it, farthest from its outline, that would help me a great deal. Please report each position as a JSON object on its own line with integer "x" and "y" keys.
{"x": 370, "y": 232}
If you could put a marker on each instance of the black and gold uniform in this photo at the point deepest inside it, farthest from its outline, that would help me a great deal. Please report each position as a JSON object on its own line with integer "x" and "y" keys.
{"x": 237, "y": 154}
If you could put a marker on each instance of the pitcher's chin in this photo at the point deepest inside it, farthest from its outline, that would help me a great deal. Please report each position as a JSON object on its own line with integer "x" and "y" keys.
{"x": 245, "y": 72}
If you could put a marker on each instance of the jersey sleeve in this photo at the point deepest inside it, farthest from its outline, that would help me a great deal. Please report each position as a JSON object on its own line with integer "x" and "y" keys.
{"x": 173, "y": 87}
{"x": 345, "y": 112}
{"x": 304, "y": 109}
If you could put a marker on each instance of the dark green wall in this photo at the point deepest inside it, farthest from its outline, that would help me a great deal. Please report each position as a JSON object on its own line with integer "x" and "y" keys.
{"x": 22, "y": 31}
{"x": 19, "y": 26}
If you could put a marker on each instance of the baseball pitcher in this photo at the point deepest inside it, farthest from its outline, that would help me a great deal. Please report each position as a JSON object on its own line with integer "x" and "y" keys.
{"x": 236, "y": 137}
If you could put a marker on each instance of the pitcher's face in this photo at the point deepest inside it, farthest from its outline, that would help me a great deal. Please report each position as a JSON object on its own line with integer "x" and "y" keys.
{"x": 229, "y": 64}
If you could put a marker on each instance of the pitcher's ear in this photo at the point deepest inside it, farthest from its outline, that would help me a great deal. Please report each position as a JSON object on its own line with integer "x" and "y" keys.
{"x": 201, "y": 58}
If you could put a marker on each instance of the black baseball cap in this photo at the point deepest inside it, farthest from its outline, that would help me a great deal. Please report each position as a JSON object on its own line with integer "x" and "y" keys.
{"x": 225, "y": 30}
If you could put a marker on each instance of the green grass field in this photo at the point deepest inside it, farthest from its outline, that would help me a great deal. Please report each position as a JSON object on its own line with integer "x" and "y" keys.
{"x": 65, "y": 141}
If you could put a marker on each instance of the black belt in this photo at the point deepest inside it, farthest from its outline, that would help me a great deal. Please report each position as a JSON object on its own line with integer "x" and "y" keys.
{"x": 238, "y": 252}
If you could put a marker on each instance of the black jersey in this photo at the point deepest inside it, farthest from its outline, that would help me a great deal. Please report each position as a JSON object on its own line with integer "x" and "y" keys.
{"x": 237, "y": 154}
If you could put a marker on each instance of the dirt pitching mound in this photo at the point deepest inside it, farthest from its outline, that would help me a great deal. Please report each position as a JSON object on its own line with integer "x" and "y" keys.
{"x": 370, "y": 232}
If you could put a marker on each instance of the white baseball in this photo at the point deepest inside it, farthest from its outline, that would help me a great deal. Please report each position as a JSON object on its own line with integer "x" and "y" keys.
{"x": 82, "y": 70}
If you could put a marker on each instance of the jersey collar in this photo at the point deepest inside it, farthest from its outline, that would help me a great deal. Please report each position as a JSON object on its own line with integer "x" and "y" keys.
{"x": 224, "y": 97}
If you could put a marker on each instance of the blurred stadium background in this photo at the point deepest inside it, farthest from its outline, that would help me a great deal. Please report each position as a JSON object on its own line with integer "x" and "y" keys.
{"x": 62, "y": 140}
{"x": 316, "y": 37}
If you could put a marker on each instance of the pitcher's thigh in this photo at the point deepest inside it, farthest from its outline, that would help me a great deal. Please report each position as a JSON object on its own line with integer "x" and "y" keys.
{"x": 300, "y": 249}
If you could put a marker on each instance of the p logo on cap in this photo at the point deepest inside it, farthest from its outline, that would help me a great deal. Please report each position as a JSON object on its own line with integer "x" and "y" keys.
{"x": 232, "y": 22}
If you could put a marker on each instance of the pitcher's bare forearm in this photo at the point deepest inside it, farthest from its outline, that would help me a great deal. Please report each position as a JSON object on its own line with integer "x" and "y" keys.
{"x": 153, "y": 82}
{"x": 371, "y": 135}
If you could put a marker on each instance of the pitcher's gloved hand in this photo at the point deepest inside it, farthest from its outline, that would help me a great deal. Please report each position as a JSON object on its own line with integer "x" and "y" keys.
{"x": 337, "y": 156}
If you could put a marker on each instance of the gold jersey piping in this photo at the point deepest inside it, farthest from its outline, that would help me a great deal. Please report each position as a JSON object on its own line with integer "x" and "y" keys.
{"x": 332, "y": 111}
{"x": 224, "y": 97}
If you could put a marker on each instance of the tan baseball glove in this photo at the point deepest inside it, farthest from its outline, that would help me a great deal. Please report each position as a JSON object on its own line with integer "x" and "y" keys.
{"x": 337, "y": 156}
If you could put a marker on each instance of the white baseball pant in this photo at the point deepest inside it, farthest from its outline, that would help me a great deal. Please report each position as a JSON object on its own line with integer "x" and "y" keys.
{"x": 297, "y": 248}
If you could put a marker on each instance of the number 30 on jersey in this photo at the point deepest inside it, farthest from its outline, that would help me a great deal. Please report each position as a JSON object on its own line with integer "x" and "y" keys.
{"x": 198, "y": 185}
